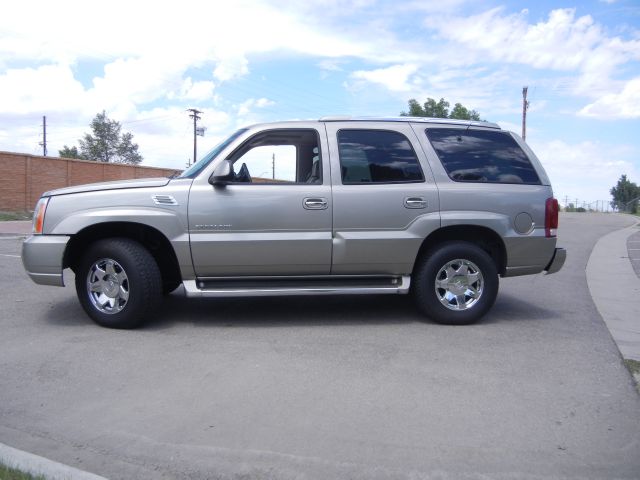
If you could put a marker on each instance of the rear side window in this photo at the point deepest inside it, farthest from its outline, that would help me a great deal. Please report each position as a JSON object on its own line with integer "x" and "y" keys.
{"x": 482, "y": 156}
{"x": 377, "y": 156}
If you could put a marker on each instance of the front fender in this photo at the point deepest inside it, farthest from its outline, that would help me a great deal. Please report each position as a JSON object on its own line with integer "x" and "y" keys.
{"x": 165, "y": 221}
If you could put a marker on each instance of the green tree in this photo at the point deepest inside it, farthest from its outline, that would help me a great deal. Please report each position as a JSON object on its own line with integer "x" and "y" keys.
{"x": 625, "y": 195}
{"x": 463, "y": 113}
{"x": 69, "y": 152}
{"x": 105, "y": 143}
{"x": 440, "y": 109}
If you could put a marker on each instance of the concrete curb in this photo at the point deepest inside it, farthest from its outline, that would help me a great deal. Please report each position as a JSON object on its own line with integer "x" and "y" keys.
{"x": 35, "y": 465}
{"x": 615, "y": 289}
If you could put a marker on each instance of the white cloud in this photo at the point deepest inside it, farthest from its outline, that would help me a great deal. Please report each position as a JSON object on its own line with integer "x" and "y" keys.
{"x": 42, "y": 89}
{"x": 230, "y": 68}
{"x": 396, "y": 78}
{"x": 510, "y": 126}
{"x": 625, "y": 104}
{"x": 149, "y": 57}
{"x": 585, "y": 170}
{"x": 564, "y": 42}
{"x": 197, "y": 91}
{"x": 245, "y": 108}
{"x": 138, "y": 80}
{"x": 331, "y": 65}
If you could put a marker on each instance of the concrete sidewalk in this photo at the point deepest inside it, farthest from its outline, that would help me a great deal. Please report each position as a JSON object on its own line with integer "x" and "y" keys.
{"x": 15, "y": 227}
{"x": 633, "y": 249}
{"x": 615, "y": 289}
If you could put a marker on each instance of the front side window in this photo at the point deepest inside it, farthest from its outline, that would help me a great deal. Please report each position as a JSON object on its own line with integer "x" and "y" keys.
{"x": 482, "y": 156}
{"x": 377, "y": 156}
{"x": 279, "y": 157}
{"x": 197, "y": 167}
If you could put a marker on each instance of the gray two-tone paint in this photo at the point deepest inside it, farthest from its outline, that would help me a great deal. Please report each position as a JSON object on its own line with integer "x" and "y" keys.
{"x": 299, "y": 230}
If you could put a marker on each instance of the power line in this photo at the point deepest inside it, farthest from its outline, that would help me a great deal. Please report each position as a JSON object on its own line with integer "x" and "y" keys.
{"x": 150, "y": 119}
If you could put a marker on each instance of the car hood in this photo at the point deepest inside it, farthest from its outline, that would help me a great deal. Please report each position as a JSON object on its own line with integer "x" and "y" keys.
{"x": 118, "y": 184}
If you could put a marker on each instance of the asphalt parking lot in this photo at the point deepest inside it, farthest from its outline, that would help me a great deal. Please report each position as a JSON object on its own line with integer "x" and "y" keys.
{"x": 325, "y": 387}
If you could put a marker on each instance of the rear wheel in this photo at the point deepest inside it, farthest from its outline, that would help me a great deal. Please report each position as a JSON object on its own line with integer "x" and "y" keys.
{"x": 118, "y": 283}
{"x": 456, "y": 284}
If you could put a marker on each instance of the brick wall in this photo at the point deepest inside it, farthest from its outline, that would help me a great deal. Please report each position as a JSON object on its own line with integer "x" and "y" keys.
{"x": 23, "y": 178}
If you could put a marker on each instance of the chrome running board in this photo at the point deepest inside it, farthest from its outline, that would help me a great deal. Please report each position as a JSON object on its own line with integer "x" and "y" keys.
{"x": 274, "y": 287}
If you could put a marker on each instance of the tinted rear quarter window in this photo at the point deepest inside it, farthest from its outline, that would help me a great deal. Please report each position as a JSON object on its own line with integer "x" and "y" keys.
{"x": 482, "y": 156}
{"x": 377, "y": 156}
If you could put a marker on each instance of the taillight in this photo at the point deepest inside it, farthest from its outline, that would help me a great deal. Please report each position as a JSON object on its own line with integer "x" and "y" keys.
{"x": 551, "y": 217}
{"x": 38, "y": 215}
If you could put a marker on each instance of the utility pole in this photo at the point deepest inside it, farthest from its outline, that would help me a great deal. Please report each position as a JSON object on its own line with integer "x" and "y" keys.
{"x": 44, "y": 136}
{"x": 525, "y": 107}
{"x": 196, "y": 117}
{"x": 273, "y": 166}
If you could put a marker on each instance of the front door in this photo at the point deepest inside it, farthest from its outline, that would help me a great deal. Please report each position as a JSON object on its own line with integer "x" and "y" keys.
{"x": 275, "y": 217}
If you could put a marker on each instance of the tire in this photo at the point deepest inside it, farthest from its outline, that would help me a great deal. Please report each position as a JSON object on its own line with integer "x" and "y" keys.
{"x": 456, "y": 283}
{"x": 127, "y": 283}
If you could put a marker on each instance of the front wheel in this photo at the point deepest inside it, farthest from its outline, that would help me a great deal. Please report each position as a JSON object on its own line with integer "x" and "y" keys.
{"x": 456, "y": 284}
{"x": 118, "y": 283}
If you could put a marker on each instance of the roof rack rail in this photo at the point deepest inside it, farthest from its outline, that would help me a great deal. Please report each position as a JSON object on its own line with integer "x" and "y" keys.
{"x": 446, "y": 121}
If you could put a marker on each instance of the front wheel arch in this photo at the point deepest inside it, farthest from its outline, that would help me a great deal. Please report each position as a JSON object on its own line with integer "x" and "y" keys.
{"x": 152, "y": 239}
{"x": 118, "y": 283}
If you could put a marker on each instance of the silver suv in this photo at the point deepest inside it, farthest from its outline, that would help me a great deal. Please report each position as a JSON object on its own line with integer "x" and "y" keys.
{"x": 439, "y": 208}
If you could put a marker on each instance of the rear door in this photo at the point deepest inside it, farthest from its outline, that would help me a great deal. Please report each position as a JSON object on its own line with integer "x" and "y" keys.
{"x": 385, "y": 201}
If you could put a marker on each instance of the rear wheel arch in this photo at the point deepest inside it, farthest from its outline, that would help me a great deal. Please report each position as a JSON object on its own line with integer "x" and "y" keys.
{"x": 456, "y": 284}
{"x": 483, "y": 237}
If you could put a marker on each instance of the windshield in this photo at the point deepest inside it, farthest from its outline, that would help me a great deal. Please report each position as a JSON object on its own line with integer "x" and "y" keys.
{"x": 194, "y": 169}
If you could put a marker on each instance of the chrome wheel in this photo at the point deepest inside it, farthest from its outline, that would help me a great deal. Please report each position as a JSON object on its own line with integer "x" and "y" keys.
{"x": 108, "y": 286}
{"x": 459, "y": 284}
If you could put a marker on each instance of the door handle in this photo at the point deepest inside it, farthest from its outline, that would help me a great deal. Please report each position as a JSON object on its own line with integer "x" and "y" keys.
{"x": 315, "y": 203}
{"x": 415, "y": 202}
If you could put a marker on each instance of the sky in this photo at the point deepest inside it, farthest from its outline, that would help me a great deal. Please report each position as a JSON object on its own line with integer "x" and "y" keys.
{"x": 246, "y": 62}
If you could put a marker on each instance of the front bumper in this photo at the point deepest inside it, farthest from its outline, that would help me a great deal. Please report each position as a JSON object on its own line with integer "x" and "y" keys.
{"x": 42, "y": 257}
{"x": 557, "y": 261}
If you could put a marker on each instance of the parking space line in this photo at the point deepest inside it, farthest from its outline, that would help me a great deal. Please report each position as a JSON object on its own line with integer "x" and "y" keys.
{"x": 7, "y": 255}
{"x": 21, "y": 237}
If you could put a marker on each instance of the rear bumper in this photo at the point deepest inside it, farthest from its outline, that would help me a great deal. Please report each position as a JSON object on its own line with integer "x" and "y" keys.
{"x": 557, "y": 261}
{"x": 42, "y": 257}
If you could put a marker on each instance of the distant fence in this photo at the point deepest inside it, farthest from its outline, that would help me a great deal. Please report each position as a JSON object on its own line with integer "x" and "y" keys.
{"x": 23, "y": 178}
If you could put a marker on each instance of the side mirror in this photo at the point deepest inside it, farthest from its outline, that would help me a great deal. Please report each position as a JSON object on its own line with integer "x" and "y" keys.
{"x": 223, "y": 174}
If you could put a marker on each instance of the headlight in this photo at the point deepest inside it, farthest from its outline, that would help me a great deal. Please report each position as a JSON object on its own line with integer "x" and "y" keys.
{"x": 38, "y": 215}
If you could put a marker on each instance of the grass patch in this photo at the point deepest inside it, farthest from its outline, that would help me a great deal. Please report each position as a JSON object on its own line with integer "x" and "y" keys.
{"x": 7, "y": 473}
{"x": 633, "y": 366}
{"x": 8, "y": 216}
